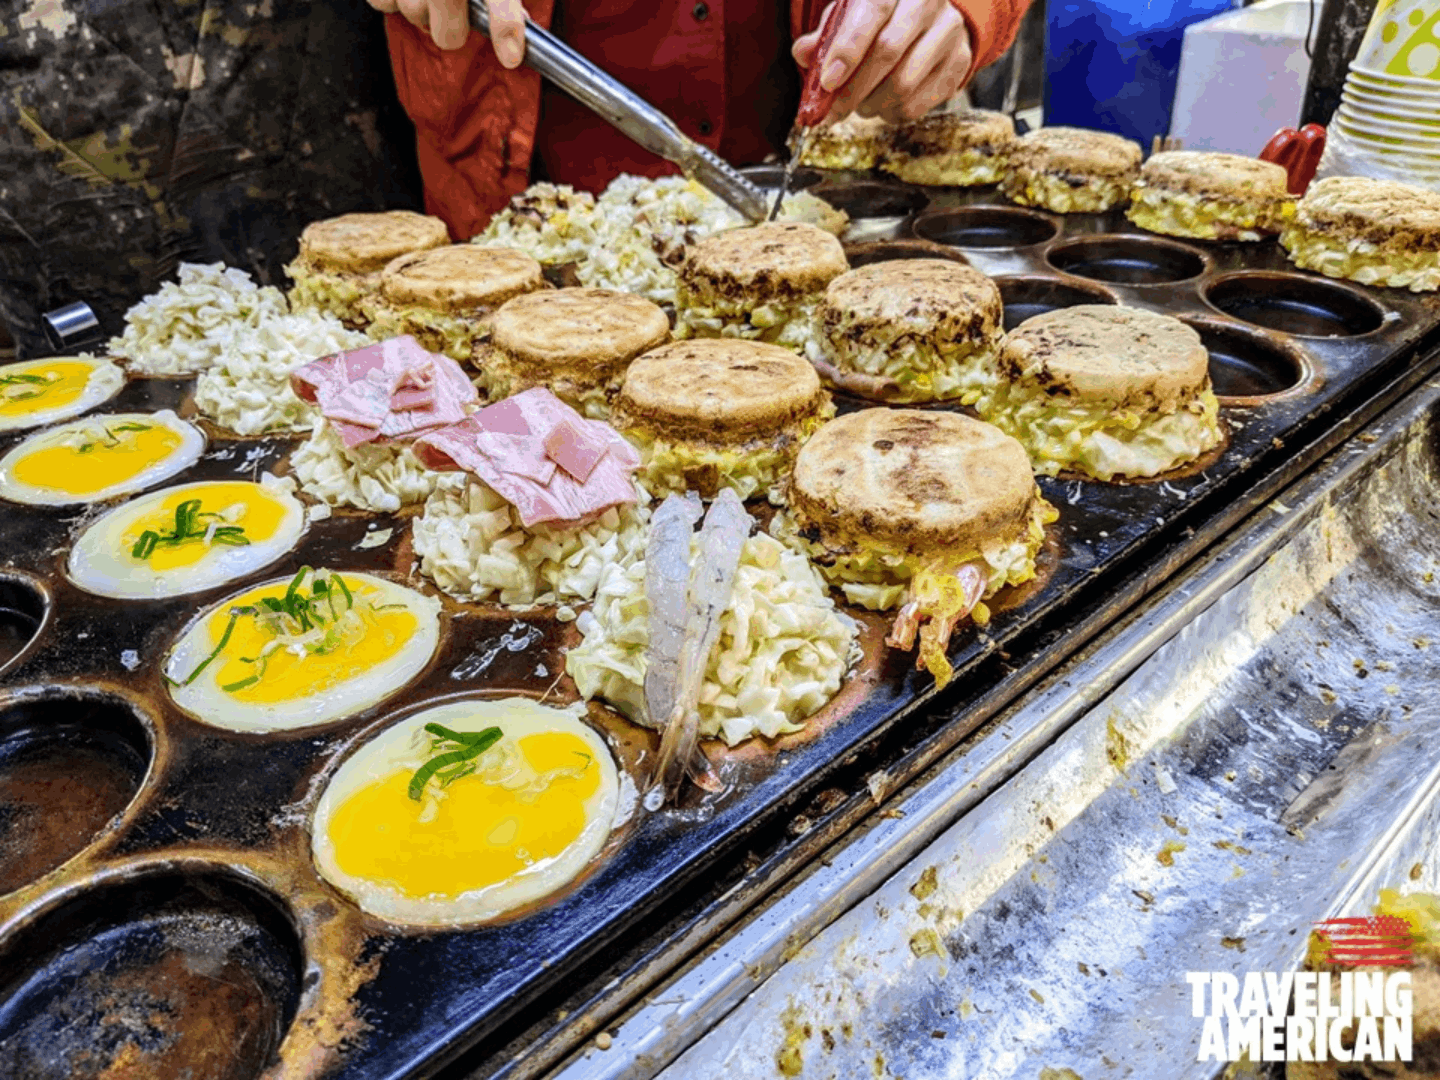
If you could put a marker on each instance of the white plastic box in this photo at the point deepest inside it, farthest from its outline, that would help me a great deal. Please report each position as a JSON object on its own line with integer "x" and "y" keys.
{"x": 1242, "y": 77}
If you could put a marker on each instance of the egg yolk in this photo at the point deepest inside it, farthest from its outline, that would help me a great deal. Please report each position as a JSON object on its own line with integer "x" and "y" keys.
{"x": 112, "y": 455}
{"x": 291, "y": 673}
{"x": 481, "y": 833}
{"x": 260, "y": 515}
{"x": 63, "y": 382}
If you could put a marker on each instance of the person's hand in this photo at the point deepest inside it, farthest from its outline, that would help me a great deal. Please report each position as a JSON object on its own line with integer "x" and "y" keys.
{"x": 448, "y": 22}
{"x": 901, "y": 57}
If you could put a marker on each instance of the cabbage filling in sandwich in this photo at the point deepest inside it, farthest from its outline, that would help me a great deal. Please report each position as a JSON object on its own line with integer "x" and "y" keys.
{"x": 909, "y": 330}
{"x": 1070, "y": 170}
{"x": 373, "y": 403}
{"x": 1376, "y": 232}
{"x": 534, "y": 503}
{"x": 1211, "y": 196}
{"x": 341, "y": 258}
{"x": 715, "y": 414}
{"x": 925, "y": 513}
{"x": 444, "y": 297}
{"x": 761, "y": 283}
{"x": 1106, "y": 391}
{"x": 577, "y": 343}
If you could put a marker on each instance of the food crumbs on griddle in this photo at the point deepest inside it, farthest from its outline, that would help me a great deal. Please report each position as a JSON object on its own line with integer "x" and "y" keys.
{"x": 1166, "y": 855}
{"x": 604, "y": 1041}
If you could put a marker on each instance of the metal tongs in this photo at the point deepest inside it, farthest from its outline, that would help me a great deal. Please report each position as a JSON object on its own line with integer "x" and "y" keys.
{"x": 633, "y": 115}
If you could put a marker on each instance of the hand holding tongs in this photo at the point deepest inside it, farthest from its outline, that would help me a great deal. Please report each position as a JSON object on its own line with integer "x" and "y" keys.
{"x": 636, "y": 117}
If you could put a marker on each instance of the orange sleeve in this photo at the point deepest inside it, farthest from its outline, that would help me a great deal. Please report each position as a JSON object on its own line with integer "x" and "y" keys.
{"x": 993, "y": 25}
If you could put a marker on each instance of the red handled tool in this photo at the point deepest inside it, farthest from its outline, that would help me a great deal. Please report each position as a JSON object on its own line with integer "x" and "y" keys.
{"x": 815, "y": 100}
{"x": 1298, "y": 152}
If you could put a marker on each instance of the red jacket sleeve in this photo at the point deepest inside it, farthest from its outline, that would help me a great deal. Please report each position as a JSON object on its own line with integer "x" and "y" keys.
{"x": 993, "y": 24}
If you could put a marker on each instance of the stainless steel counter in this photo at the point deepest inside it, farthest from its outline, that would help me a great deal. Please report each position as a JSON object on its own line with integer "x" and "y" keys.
{"x": 1249, "y": 753}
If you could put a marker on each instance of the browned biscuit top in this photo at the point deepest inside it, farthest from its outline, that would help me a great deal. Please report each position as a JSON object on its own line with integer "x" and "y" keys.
{"x": 364, "y": 243}
{"x": 924, "y": 480}
{"x": 774, "y": 261}
{"x": 934, "y": 295}
{"x": 1077, "y": 152}
{"x": 1216, "y": 175}
{"x": 1106, "y": 353}
{"x": 595, "y": 330}
{"x": 1381, "y": 212}
{"x": 717, "y": 389}
{"x": 941, "y": 133}
{"x": 459, "y": 277}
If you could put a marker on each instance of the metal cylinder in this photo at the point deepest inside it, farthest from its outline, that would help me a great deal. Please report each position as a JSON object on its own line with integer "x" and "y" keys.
{"x": 72, "y": 327}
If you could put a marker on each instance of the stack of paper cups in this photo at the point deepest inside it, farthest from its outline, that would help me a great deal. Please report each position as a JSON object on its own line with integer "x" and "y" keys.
{"x": 1388, "y": 123}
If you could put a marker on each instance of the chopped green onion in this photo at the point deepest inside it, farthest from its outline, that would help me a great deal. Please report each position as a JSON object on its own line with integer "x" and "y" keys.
{"x": 12, "y": 380}
{"x": 473, "y": 744}
{"x": 235, "y": 614}
{"x": 145, "y": 545}
{"x": 230, "y": 688}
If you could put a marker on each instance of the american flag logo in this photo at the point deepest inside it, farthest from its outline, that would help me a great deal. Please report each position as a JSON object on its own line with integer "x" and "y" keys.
{"x": 1368, "y": 941}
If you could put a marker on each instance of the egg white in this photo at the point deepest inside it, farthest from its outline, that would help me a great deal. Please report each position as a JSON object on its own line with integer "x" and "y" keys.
{"x": 101, "y": 562}
{"x": 207, "y": 702}
{"x": 404, "y": 747}
{"x": 106, "y": 379}
{"x": 192, "y": 445}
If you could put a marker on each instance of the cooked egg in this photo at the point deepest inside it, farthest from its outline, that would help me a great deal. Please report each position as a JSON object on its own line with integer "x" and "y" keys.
{"x": 187, "y": 539}
{"x": 99, "y": 457}
{"x": 297, "y": 652}
{"x": 46, "y": 391}
{"x": 532, "y": 813}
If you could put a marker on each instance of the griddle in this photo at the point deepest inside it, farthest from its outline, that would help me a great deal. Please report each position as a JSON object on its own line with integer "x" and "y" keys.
{"x": 208, "y": 860}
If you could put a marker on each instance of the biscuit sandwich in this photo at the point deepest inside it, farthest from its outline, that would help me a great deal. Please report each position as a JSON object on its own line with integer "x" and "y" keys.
{"x": 761, "y": 283}
{"x": 958, "y": 149}
{"x": 1105, "y": 391}
{"x": 1376, "y": 232}
{"x": 1211, "y": 196}
{"x": 924, "y": 512}
{"x": 341, "y": 258}
{"x": 575, "y": 342}
{"x": 1071, "y": 170}
{"x": 712, "y": 414}
{"x": 909, "y": 330}
{"x": 857, "y": 142}
{"x": 444, "y": 297}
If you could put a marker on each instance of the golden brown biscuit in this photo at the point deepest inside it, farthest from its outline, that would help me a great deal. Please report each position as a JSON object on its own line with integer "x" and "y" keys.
{"x": 1071, "y": 170}
{"x": 909, "y": 330}
{"x": 1105, "y": 390}
{"x": 444, "y": 297}
{"x": 576, "y": 342}
{"x": 719, "y": 413}
{"x": 341, "y": 258}
{"x": 1211, "y": 196}
{"x": 958, "y": 149}
{"x": 759, "y": 283}
{"x": 1376, "y": 232}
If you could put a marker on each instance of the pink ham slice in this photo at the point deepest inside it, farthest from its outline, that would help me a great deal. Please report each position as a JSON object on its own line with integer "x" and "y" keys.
{"x": 391, "y": 391}
{"x": 510, "y": 444}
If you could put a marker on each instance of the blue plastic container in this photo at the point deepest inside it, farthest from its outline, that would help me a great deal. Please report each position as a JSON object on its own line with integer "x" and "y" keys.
{"x": 1112, "y": 64}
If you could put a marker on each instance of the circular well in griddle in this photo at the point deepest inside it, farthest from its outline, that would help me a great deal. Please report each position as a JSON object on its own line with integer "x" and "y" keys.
{"x": 1293, "y": 304}
{"x": 1127, "y": 260}
{"x": 175, "y": 972}
{"x": 865, "y": 200}
{"x": 22, "y": 611}
{"x": 1027, "y": 296}
{"x": 1246, "y": 365}
{"x": 878, "y": 251}
{"x": 986, "y": 227}
{"x": 69, "y": 765}
{"x": 772, "y": 176}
